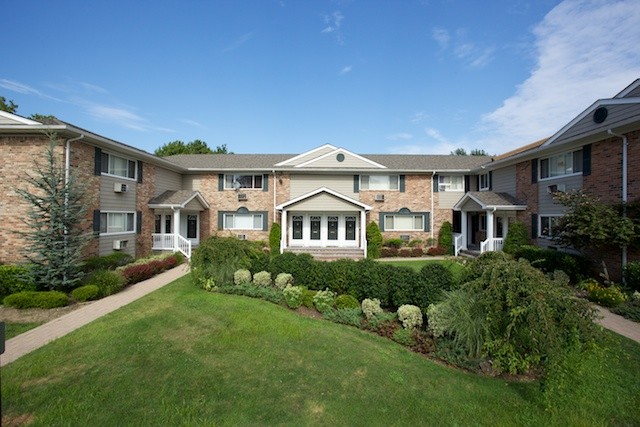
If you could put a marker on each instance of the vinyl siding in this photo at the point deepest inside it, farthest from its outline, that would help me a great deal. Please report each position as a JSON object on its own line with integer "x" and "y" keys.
{"x": 311, "y": 156}
{"x": 617, "y": 115}
{"x": 447, "y": 199}
{"x": 191, "y": 182}
{"x": 194, "y": 205}
{"x": 112, "y": 201}
{"x": 303, "y": 184}
{"x": 471, "y": 205}
{"x": 546, "y": 206}
{"x": 105, "y": 246}
{"x": 348, "y": 162}
{"x": 323, "y": 203}
{"x": 504, "y": 180}
{"x": 167, "y": 180}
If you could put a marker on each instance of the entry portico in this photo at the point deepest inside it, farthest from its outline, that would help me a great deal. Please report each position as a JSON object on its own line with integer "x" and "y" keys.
{"x": 323, "y": 218}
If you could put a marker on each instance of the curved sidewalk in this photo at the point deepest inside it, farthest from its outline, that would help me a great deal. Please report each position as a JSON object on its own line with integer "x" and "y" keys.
{"x": 619, "y": 324}
{"x": 35, "y": 338}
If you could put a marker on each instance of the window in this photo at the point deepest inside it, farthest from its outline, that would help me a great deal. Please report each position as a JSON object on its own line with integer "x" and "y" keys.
{"x": 232, "y": 182}
{"x": 484, "y": 181}
{"x": 547, "y": 225}
{"x": 158, "y": 224}
{"x": 118, "y": 166}
{"x": 243, "y": 221}
{"x": 404, "y": 222}
{"x": 561, "y": 164}
{"x": 379, "y": 182}
{"x": 450, "y": 183}
{"x": 117, "y": 222}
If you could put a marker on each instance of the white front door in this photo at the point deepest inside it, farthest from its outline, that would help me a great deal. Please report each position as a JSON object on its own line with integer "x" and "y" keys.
{"x": 323, "y": 229}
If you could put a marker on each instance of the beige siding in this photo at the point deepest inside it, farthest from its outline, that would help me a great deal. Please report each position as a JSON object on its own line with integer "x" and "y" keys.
{"x": 167, "y": 180}
{"x": 546, "y": 205}
{"x": 106, "y": 244}
{"x": 191, "y": 182}
{"x": 471, "y": 205}
{"x": 194, "y": 205}
{"x": 323, "y": 203}
{"x": 447, "y": 199}
{"x": 350, "y": 161}
{"x": 504, "y": 180}
{"x": 112, "y": 201}
{"x": 311, "y": 156}
{"x": 303, "y": 184}
{"x": 618, "y": 114}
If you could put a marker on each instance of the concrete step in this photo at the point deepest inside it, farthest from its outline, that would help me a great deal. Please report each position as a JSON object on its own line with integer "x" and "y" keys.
{"x": 330, "y": 254}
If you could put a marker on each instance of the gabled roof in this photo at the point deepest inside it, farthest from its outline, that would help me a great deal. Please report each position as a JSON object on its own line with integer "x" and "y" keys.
{"x": 328, "y": 156}
{"x": 176, "y": 199}
{"x": 491, "y": 200}
{"x": 324, "y": 190}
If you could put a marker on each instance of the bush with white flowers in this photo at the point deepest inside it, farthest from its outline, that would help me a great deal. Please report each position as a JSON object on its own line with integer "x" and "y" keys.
{"x": 410, "y": 316}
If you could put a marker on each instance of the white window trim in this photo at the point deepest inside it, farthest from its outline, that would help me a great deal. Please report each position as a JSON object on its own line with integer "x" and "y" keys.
{"x": 540, "y": 235}
{"x": 404, "y": 216}
{"x": 566, "y": 175}
{"x": 253, "y": 215}
{"x": 117, "y": 233}
{"x": 362, "y": 186}
{"x": 134, "y": 179}
{"x": 447, "y": 187}
{"x": 486, "y": 186}
{"x": 233, "y": 175}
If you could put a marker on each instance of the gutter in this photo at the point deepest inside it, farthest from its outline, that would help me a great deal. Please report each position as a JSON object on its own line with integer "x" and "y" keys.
{"x": 625, "y": 144}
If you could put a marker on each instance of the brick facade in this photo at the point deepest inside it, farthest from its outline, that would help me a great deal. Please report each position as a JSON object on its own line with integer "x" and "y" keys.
{"x": 145, "y": 192}
{"x": 526, "y": 192}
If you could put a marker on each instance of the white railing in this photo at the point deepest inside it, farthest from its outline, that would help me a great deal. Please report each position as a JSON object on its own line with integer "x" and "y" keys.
{"x": 498, "y": 244}
{"x": 168, "y": 242}
{"x": 457, "y": 243}
{"x": 491, "y": 244}
{"x": 484, "y": 245}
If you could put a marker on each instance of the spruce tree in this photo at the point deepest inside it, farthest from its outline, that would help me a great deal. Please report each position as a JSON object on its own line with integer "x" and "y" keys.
{"x": 55, "y": 236}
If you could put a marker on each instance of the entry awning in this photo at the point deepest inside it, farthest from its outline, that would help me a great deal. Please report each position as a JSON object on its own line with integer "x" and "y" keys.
{"x": 323, "y": 191}
{"x": 489, "y": 200}
{"x": 179, "y": 199}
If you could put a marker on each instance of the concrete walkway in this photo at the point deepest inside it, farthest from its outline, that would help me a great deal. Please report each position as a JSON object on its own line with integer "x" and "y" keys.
{"x": 35, "y": 338}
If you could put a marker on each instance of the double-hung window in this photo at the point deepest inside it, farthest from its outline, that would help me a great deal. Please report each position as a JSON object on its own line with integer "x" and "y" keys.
{"x": 379, "y": 182}
{"x": 547, "y": 225}
{"x": 117, "y": 222}
{"x": 243, "y": 221}
{"x": 235, "y": 182}
{"x": 561, "y": 164}
{"x": 484, "y": 181}
{"x": 404, "y": 222}
{"x": 118, "y": 166}
{"x": 450, "y": 183}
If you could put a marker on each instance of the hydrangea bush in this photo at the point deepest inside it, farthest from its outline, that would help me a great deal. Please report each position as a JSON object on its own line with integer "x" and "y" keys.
{"x": 262, "y": 278}
{"x": 241, "y": 277}
{"x": 293, "y": 296}
{"x": 410, "y": 316}
{"x": 324, "y": 300}
{"x": 371, "y": 308}
{"x": 283, "y": 280}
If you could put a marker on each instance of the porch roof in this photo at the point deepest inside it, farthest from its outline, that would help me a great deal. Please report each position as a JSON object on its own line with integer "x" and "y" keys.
{"x": 323, "y": 190}
{"x": 177, "y": 199}
{"x": 491, "y": 200}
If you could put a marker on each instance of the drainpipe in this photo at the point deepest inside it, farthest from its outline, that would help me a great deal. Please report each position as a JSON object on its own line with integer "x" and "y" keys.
{"x": 67, "y": 168}
{"x": 625, "y": 143}
{"x": 433, "y": 214}
{"x": 275, "y": 190}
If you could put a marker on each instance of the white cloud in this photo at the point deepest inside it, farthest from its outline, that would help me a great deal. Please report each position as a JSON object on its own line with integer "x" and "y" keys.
{"x": 402, "y": 136}
{"x": 585, "y": 50}
{"x": 193, "y": 123}
{"x": 419, "y": 117}
{"x": 471, "y": 53}
{"x": 441, "y": 36}
{"x": 346, "y": 70}
{"x": 333, "y": 23}
{"x": 24, "y": 89}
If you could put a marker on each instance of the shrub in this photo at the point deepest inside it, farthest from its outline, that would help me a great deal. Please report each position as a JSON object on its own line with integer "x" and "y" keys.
{"x": 631, "y": 275}
{"x": 415, "y": 243}
{"x": 15, "y": 278}
{"x": 389, "y": 252}
{"x": 608, "y": 297}
{"x": 433, "y": 280}
{"x": 436, "y": 251}
{"x": 549, "y": 260}
{"x": 371, "y": 308}
{"x": 346, "y": 316}
{"x": 393, "y": 243}
{"x": 266, "y": 293}
{"x": 242, "y": 276}
{"x": 404, "y": 337}
{"x": 302, "y": 267}
{"x": 438, "y": 318}
{"x": 374, "y": 240}
{"x": 404, "y": 282}
{"x": 293, "y": 296}
{"x": 219, "y": 258}
{"x": 405, "y": 252}
{"x": 283, "y": 280}
{"x": 373, "y": 280}
{"x": 324, "y": 300}
{"x": 139, "y": 272}
{"x": 107, "y": 262}
{"x": 108, "y": 282}
{"x": 629, "y": 310}
{"x": 410, "y": 316}
{"x": 262, "y": 278}
{"x": 275, "y": 234}
{"x": 417, "y": 252}
{"x": 33, "y": 299}
{"x": 85, "y": 293}
{"x": 346, "y": 301}
{"x": 517, "y": 236}
{"x": 307, "y": 297}
{"x": 445, "y": 237}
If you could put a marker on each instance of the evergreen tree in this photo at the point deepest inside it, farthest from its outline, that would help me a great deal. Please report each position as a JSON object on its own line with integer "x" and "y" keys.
{"x": 54, "y": 238}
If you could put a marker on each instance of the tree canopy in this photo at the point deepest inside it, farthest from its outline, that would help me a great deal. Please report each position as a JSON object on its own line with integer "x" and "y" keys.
{"x": 194, "y": 147}
{"x": 8, "y": 106}
{"x": 474, "y": 152}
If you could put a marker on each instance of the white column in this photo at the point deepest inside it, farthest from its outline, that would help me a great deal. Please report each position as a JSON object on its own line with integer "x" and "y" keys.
{"x": 490, "y": 229}
{"x": 464, "y": 228}
{"x": 363, "y": 231}
{"x": 176, "y": 228}
{"x": 284, "y": 229}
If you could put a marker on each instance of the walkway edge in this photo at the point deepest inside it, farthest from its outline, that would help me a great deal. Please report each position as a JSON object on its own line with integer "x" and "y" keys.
{"x": 35, "y": 338}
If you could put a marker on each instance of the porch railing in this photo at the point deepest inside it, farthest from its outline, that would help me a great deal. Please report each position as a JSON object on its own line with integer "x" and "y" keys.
{"x": 169, "y": 242}
{"x": 492, "y": 244}
{"x": 457, "y": 243}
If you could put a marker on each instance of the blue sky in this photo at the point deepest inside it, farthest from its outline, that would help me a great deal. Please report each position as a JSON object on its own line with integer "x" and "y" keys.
{"x": 285, "y": 76}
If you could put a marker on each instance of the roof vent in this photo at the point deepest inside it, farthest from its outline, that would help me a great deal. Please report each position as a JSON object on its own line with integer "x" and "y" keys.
{"x": 600, "y": 115}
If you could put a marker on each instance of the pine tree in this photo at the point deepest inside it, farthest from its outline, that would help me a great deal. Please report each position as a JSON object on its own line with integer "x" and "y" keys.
{"x": 54, "y": 238}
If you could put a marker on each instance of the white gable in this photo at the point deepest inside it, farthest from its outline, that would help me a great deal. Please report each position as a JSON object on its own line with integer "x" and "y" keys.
{"x": 308, "y": 155}
{"x": 12, "y": 119}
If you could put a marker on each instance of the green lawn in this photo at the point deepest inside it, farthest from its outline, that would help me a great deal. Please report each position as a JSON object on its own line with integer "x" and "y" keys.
{"x": 181, "y": 356}
{"x": 13, "y": 329}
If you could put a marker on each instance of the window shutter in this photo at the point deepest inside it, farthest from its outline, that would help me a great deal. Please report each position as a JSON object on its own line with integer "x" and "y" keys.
{"x": 138, "y": 222}
{"x": 265, "y": 182}
{"x": 435, "y": 183}
{"x": 457, "y": 222}
{"x": 139, "y": 171}
{"x": 265, "y": 221}
{"x": 534, "y": 171}
{"x": 356, "y": 183}
{"x": 98, "y": 163}
{"x": 427, "y": 221}
{"x": 96, "y": 222}
{"x": 490, "y": 180}
{"x": 586, "y": 160}
{"x": 534, "y": 226}
{"x": 381, "y": 222}
{"x": 220, "y": 221}
{"x": 402, "y": 184}
{"x": 467, "y": 183}
{"x": 221, "y": 182}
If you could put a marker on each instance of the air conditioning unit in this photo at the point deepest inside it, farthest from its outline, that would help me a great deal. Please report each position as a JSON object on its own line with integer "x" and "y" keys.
{"x": 556, "y": 188}
{"x": 379, "y": 198}
{"x": 405, "y": 237}
{"x": 242, "y": 197}
{"x": 118, "y": 187}
{"x": 241, "y": 236}
{"x": 119, "y": 244}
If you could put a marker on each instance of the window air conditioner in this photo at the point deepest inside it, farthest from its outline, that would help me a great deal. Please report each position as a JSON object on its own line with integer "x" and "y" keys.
{"x": 242, "y": 197}
{"x": 242, "y": 237}
{"x": 555, "y": 188}
{"x": 119, "y": 244}
{"x": 120, "y": 188}
{"x": 379, "y": 198}
{"x": 405, "y": 237}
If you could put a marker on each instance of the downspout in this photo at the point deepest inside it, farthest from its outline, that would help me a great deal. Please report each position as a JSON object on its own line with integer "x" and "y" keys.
{"x": 275, "y": 191}
{"x": 625, "y": 143}
{"x": 67, "y": 173}
{"x": 433, "y": 214}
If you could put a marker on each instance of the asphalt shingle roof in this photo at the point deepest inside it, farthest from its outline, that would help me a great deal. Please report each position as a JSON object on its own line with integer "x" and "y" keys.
{"x": 173, "y": 197}
{"x": 491, "y": 198}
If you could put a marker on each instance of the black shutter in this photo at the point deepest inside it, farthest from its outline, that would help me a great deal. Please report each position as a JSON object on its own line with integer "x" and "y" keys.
{"x": 534, "y": 226}
{"x": 490, "y": 177}
{"x": 467, "y": 183}
{"x": 381, "y": 222}
{"x": 356, "y": 183}
{"x": 265, "y": 221}
{"x": 534, "y": 171}
{"x": 139, "y": 171}
{"x": 586, "y": 160}
{"x": 402, "y": 184}
{"x": 96, "y": 222}
{"x": 221, "y": 182}
{"x": 138, "y": 222}
{"x": 265, "y": 182}
{"x": 435, "y": 183}
{"x": 457, "y": 222}
{"x": 97, "y": 170}
{"x": 220, "y": 220}
{"x": 427, "y": 221}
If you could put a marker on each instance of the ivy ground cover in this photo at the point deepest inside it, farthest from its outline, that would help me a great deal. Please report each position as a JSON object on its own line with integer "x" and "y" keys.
{"x": 181, "y": 356}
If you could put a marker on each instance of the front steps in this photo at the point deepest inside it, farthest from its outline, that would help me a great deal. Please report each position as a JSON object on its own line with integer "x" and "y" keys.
{"x": 330, "y": 254}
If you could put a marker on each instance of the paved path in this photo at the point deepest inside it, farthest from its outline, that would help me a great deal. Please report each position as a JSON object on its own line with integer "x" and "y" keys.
{"x": 35, "y": 338}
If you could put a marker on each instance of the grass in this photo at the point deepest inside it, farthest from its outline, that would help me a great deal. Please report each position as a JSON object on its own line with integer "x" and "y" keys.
{"x": 13, "y": 329}
{"x": 181, "y": 356}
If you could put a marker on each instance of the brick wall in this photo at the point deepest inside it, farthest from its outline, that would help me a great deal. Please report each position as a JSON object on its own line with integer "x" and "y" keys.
{"x": 82, "y": 164}
{"x": 145, "y": 192}
{"x": 527, "y": 193}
